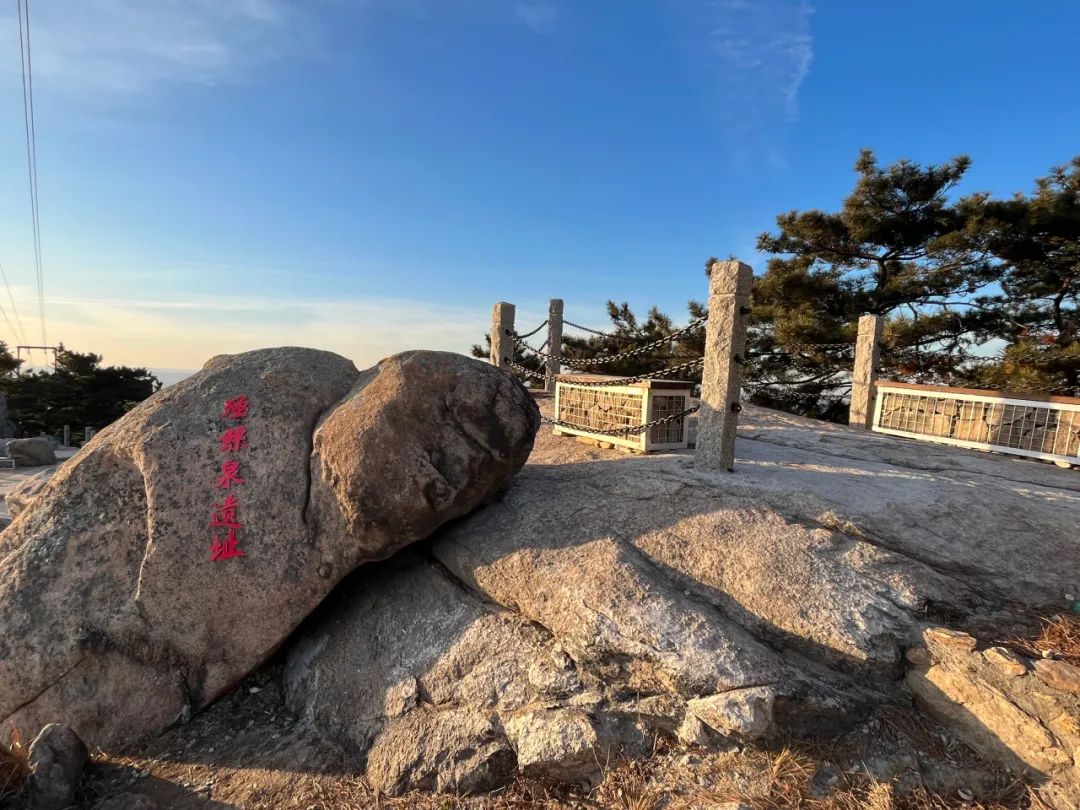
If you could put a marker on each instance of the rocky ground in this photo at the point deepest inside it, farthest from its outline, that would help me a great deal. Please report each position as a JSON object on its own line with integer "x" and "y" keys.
{"x": 624, "y": 631}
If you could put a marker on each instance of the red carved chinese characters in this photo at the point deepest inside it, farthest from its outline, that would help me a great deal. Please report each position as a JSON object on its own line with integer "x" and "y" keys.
{"x": 230, "y": 474}
{"x": 225, "y": 549}
{"x": 234, "y": 439}
{"x": 224, "y": 515}
{"x": 235, "y": 408}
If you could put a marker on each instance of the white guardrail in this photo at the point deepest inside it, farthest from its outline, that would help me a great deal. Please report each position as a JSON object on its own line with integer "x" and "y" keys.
{"x": 1046, "y": 427}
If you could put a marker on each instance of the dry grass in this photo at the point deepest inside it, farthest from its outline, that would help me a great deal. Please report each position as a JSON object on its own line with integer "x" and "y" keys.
{"x": 1060, "y": 635}
{"x": 13, "y": 766}
{"x": 785, "y": 781}
{"x": 673, "y": 778}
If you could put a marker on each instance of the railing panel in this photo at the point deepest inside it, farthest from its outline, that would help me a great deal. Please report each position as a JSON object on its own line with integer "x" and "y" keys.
{"x": 1043, "y": 427}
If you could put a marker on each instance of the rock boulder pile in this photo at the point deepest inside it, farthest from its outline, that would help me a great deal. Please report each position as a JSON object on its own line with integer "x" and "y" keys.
{"x": 607, "y": 600}
{"x": 115, "y": 619}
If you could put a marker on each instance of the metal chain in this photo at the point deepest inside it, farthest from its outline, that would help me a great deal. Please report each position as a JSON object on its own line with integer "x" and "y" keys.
{"x": 568, "y": 378}
{"x": 624, "y": 431}
{"x": 533, "y": 332}
{"x": 598, "y": 361}
{"x": 801, "y": 347}
{"x": 597, "y": 331}
{"x": 763, "y": 388}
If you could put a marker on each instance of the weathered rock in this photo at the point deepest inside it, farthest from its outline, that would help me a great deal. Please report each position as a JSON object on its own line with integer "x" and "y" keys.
{"x": 560, "y": 744}
{"x": 944, "y": 640}
{"x": 113, "y": 616}
{"x": 408, "y": 670}
{"x": 22, "y": 494}
{"x": 1006, "y": 661}
{"x": 655, "y": 580}
{"x": 449, "y": 751}
{"x": 1013, "y": 718}
{"x": 33, "y": 452}
{"x": 744, "y": 713}
{"x": 1060, "y": 675}
{"x": 56, "y": 759}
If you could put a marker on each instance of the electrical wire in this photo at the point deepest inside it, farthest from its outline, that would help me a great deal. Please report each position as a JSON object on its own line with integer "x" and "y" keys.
{"x": 31, "y": 153}
{"x": 20, "y": 333}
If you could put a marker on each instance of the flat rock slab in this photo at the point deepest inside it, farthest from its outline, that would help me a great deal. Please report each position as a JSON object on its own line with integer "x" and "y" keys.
{"x": 606, "y": 598}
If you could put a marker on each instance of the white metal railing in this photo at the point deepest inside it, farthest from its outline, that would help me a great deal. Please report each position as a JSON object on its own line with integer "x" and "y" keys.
{"x": 599, "y": 413}
{"x": 1039, "y": 427}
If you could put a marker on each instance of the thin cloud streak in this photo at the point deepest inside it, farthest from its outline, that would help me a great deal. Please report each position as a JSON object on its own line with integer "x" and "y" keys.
{"x": 120, "y": 47}
{"x": 765, "y": 50}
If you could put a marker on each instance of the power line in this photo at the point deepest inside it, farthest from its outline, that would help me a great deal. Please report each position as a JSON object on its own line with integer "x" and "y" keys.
{"x": 31, "y": 152}
{"x": 20, "y": 333}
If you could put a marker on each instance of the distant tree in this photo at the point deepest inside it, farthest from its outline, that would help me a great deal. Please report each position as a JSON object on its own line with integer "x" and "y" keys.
{"x": 626, "y": 334}
{"x": 897, "y": 248}
{"x": 525, "y": 358}
{"x": 9, "y": 363}
{"x": 1037, "y": 239}
{"x": 79, "y": 392}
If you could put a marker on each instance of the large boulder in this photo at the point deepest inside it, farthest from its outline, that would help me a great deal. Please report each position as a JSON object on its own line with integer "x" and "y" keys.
{"x": 114, "y": 616}
{"x": 34, "y": 452}
{"x": 606, "y": 600}
{"x": 23, "y": 493}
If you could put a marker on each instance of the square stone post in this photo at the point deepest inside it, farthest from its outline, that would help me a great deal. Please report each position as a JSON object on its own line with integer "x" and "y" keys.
{"x": 502, "y": 347}
{"x": 725, "y": 350}
{"x": 864, "y": 375}
{"x": 554, "y": 341}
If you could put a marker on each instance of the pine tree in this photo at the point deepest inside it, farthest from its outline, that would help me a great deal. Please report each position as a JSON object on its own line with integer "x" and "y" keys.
{"x": 79, "y": 392}
{"x": 897, "y": 248}
{"x": 1037, "y": 239}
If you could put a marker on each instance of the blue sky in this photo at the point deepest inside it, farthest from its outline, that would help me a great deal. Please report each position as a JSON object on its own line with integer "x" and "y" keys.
{"x": 368, "y": 176}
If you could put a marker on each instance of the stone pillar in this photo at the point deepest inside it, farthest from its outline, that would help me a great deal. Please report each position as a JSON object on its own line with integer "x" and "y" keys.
{"x": 67, "y": 435}
{"x": 502, "y": 347}
{"x": 554, "y": 341}
{"x": 864, "y": 375}
{"x": 725, "y": 349}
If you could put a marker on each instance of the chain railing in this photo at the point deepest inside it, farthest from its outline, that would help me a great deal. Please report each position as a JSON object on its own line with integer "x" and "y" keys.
{"x": 533, "y": 332}
{"x": 809, "y": 347}
{"x": 630, "y": 430}
{"x": 582, "y": 365}
{"x": 596, "y": 332}
{"x": 570, "y": 378}
{"x": 544, "y": 354}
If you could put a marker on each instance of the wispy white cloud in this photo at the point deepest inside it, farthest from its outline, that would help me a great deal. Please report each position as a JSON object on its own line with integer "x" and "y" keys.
{"x": 765, "y": 49}
{"x": 125, "y": 46}
{"x": 539, "y": 16}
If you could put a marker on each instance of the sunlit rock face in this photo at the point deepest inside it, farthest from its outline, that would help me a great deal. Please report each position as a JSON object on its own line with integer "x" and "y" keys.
{"x": 179, "y": 549}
